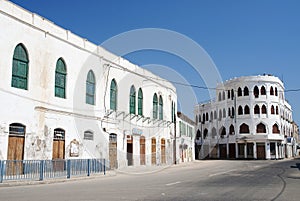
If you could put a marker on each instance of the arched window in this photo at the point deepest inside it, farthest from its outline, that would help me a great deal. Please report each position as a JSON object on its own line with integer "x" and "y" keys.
{"x": 206, "y": 116}
{"x": 277, "y": 110}
{"x": 196, "y": 118}
{"x": 211, "y": 115}
{"x": 220, "y": 114}
{"x": 246, "y": 91}
{"x": 224, "y": 95}
{"x": 244, "y": 128}
{"x": 229, "y": 112}
{"x": 199, "y": 118}
{"x": 228, "y": 94}
{"x": 198, "y": 135}
{"x": 20, "y": 68}
{"x": 220, "y": 96}
{"x": 203, "y": 118}
{"x": 271, "y": 91}
{"x": 261, "y": 128}
{"x": 272, "y": 109}
{"x": 231, "y": 130}
{"x": 256, "y": 109}
{"x": 276, "y": 93}
{"x": 132, "y": 100}
{"x": 223, "y": 131}
{"x": 60, "y": 79}
{"x": 232, "y": 94}
{"x": 90, "y": 88}
{"x": 205, "y": 133}
{"x": 113, "y": 95}
{"x": 256, "y": 92}
{"x": 155, "y": 107}
{"x": 161, "y": 108}
{"x": 232, "y": 112}
{"x": 140, "y": 102}
{"x": 246, "y": 110}
{"x": 240, "y": 110}
{"x": 263, "y": 90}
{"x": 213, "y": 132}
{"x": 264, "y": 109}
{"x": 239, "y": 91}
{"x": 224, "y": 113}
{"x": 275, "y": 129}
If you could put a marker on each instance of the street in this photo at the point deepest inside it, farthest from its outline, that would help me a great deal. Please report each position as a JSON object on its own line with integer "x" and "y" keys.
{"x": 199, "y": 180}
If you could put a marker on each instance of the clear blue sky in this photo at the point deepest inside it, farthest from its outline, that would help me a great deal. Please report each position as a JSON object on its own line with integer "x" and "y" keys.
{"x": 242, "y": 37}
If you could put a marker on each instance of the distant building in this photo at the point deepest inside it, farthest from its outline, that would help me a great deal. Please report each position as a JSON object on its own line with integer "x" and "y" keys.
{"x": 185, "y": 139}
{"x": 63, "y": 97}
{"x": 250, "y": 118}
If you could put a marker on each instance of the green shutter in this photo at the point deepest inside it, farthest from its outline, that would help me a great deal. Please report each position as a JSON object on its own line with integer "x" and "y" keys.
{"x": 20, "y": 68}
{"x": 160, "y": 108}
{"x": 60, "y": 79}
{"x": 155, "y": 105}
{"x": 140, "y": 102}
{"x": 90, "y": 88}
{"x": 113, "y": 95}
{"x": 132, "y": 100}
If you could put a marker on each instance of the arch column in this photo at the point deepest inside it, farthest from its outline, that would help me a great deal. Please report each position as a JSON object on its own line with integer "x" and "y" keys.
{"x": 254, "y": 150}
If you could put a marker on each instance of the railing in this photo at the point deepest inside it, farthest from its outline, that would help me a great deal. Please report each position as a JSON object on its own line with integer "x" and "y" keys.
{"x": 46, "y": 169}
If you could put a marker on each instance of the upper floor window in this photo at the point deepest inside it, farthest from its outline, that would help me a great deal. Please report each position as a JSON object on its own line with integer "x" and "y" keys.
{"x": 155, "y": 107}
{"x": 256, "y": 109}
{"x": 161, "y": 108}
{"x": 113, "y": 95}
{"x": 240, "y": 110}
{"x": 247, "y": 109}
{"x": 261, "y": 128}
{"x": 276, "y": 93}
{"x": 220, "y": 96}
{"x": 277, "y": 110}
{"x": 275, "y": 129}
{"x": 264, "y": 109}
{"x": 132, "y": 100}
{"x": 272, "y": 109}
{"x": 228, "y": 94}
{"x": 224, "y": 113}
{"x": 256, "y": 92}
{"x": 246, "y": 91}
{"x": 244, "y": 128}
{"x": 140, "y": 102}
{"x": 271, "y": 91}
{"x": 232, "y": 94}
{"x": 20, "y": 68}
{"x": 224, "y": 95}
{"x": 239, "y": 91}
{"x": 231, "y": 130}
{"x": 60, "y": 79}
{"x": 263, "y": 90}
{"x": 215, "y": 114}
{"x": 90, "y": 88}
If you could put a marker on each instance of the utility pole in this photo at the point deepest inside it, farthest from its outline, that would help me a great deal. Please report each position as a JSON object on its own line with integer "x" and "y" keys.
{"x": 174, "y": 143}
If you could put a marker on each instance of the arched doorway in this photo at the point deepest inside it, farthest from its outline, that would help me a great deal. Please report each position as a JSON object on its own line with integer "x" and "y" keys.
{"x": 142, "y": 150}
{"x": 153, "y": 151}
{"x": 163, "y": 151}
{"x": 15, "y": 153}
{"x": 58, "y": 150}
{"x": 129, "y": 150}
{"x": 113, "y": 151}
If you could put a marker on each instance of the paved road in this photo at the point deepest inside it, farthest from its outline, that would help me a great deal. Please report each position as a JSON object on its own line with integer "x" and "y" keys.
{"x": 200, "y": 180}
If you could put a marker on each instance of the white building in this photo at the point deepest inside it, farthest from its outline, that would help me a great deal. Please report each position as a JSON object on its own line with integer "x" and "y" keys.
{"x": 185, "y": 139}
{"x": 63, "y": 97}
{"x": 250, "y": 118}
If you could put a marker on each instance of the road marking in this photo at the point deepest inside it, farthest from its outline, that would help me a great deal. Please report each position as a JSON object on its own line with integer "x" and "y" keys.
{"x": 220, "y": 173}
{"x": 171, "y": 184}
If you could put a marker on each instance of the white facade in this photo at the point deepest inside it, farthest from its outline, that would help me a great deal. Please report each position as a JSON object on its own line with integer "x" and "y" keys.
{"x": 185, "y": 139}
{"x": 94, "y": 130}
{"x": 250, "y": 118}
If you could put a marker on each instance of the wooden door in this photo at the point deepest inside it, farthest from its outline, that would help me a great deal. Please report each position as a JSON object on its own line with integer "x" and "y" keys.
{"x": 142, "y": 150}
{"x": 153, "y": 151}
{"x": 129, "y": 150}
{"x": 261, "y": 153}
{"x": 113, "y": 151}
{"x": 163, "y": 151}
{"x": 223, "y": 151}
{"x": 15, "y": 155}
{"x": 231, "y": 151}
{"x": 58, "y": 150}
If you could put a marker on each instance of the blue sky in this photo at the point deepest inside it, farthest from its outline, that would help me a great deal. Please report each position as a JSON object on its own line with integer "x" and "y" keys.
{"x": 242, "y": 37}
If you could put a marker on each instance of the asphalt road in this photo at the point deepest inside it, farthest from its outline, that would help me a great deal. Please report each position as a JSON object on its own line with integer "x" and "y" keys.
{"x": 200, "y": 180}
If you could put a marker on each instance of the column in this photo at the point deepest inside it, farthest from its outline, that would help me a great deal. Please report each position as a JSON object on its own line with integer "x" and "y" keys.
{"x": 254, "y": 150}
{"x": 227, "y": 150}
{"x": 236, "y": 150}
{"x": 276, "y": 150}
{"x": 245, "y": 150}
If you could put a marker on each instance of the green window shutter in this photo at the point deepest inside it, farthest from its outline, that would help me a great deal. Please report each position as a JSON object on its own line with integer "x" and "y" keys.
{"x": 155, "y": 106}
{"x": 60, "y": 79}
{"x": 160, "y": 108}
{"x": 20, "y": 68}
{"x": 132, "y": 100}
{"x": 113, "y": 95}
{"x": 140, "y": 102}
{"x": 90, "y": 88}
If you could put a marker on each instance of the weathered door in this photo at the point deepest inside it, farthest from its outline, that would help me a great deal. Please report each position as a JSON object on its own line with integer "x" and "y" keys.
{"x": 129, "y": 151}
{"x": 58, "y": 150}
{"x": 113, "y": 151}
{"x": 223, "y": 151}
{"x": 231, "y": 151}
{"x": 261, "y": 153}
{"x": 163, "y": 151}
{"x": 15, "y": 152}
{"x": 153, "y": 151}
{"x": 142, "y": 150}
